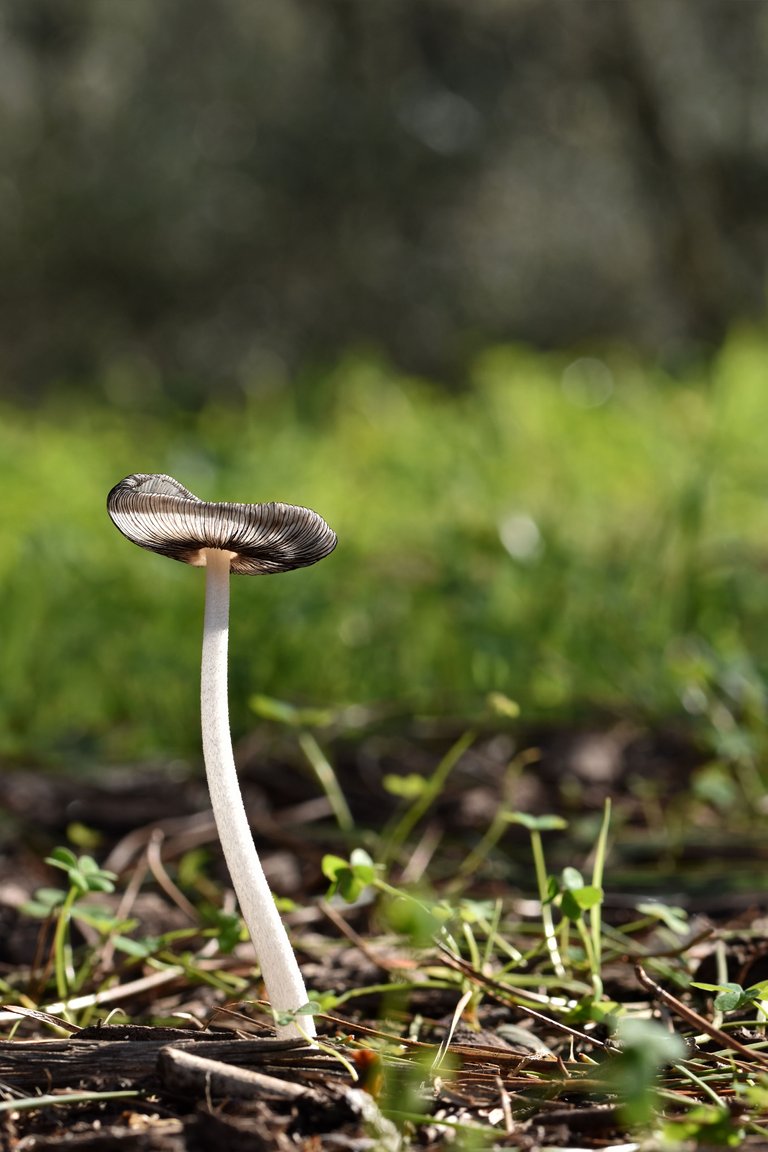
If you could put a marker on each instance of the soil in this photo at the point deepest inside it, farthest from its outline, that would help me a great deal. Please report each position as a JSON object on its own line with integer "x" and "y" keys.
{"x": 176, "y": 1053}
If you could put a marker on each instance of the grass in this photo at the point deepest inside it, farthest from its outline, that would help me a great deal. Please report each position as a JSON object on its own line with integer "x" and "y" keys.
{"x": 563, "y": 532}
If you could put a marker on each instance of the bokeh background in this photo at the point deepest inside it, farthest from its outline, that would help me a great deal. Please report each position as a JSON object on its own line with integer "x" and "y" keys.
{"x": 482, "y": 283}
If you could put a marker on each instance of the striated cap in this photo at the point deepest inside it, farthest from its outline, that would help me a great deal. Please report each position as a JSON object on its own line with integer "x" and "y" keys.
{"x": 158, "y": 513}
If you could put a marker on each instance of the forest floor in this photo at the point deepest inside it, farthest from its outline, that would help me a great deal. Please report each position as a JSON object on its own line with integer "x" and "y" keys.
{"x": 448, "y": 1014}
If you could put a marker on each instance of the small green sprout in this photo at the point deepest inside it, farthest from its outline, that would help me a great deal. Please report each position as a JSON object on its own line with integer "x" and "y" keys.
{"x": 732, "y": 997}
{"x": 83, "y": 873}
{"x": 85, "y": 877}
{"x": 575, "y": 897}
{"x": 536, "y": 825}
{"x": 350, "y": 878}
{"x": 302, "y": 720}
{"x": 421, "y": 793}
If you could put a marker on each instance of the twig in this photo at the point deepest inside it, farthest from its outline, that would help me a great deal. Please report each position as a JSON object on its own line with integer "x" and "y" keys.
{"x": 695, "y": 1020}
{"x": 157, "y": 868}
{"x": 188, "y": 1074}
{"x": 506, "y": 994}
{"x": 106, "y": 996}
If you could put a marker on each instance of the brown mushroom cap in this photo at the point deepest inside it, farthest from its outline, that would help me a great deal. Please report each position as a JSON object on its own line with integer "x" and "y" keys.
{"x": 158, "y": 513}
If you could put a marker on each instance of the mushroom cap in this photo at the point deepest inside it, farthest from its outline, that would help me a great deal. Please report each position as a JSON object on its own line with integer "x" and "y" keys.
{"x": 158, "y": 513}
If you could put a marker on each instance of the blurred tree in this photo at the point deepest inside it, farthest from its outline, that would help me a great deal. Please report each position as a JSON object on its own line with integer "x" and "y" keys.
{"x": 212, "y": 198}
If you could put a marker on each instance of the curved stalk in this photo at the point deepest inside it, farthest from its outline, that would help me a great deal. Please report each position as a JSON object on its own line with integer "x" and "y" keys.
{"x": 279, "y": 968}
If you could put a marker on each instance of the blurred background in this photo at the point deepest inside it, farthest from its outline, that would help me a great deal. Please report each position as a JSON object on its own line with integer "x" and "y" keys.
{"x": 482, "y": 283}
{"x": 217, "y": 203}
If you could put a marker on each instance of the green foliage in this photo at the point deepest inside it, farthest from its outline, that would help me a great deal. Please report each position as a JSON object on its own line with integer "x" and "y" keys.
{"x": 574, "y": 896}
{"x": 645, "y": 1048}
{"x": 300, "y": 720}
{"x": 732, "y": 997}
{"x": 84, "y": 877}
{"x": 349, "y": 878}
{"x": 503, "y": 544}
{"x": 705, "y": 1126}
{"x": 676, "y": 919}
{"x": 421, "y": 796}
{"x": 82, "y": 872}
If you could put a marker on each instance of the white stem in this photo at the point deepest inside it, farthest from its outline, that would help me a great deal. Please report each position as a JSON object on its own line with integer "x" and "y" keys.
{"x": 279, "y": 968}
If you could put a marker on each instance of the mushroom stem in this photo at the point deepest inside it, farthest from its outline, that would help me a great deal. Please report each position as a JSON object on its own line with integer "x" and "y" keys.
{"x": 279, "y": 968}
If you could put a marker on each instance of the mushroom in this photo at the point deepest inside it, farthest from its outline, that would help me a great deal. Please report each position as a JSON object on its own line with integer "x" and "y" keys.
{"x": 158, "y": 513}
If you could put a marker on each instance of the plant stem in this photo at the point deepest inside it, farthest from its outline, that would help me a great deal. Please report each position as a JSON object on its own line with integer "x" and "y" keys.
{"x": 279, "y": 968}
{"x": 548, "y": 924}
{"x": 433, "y": 786}
{"x": 595, "y": 915}
{"x": 327, "y": 779}
{"x": 61, "y": 949}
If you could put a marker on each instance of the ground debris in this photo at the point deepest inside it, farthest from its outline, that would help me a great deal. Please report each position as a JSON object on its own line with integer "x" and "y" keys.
{"x": 160, "y": 1135}
{"x": 125, "y": 1055}
{"x": 194, "y": 1090}
{"x": 511, "y": 1070}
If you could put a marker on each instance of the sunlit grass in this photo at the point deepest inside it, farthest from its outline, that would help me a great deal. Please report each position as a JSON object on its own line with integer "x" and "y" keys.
{"x": 561, "y": 531}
